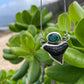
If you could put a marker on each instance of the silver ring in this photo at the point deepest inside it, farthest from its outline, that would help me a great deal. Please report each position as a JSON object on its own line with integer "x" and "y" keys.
{"x": 66, "y": 39}
{"x": 41, "y": 38}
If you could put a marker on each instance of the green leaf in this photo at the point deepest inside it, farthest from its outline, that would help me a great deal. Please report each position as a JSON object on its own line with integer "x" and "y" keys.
{"x": 70, "y": 43}
{"x": 38, "y": 82}
{"x": 43, "y": 57}
{"x": 19, "y": 51}
{"x": 79, "y": 31}
{"x": 32, "y": 29}
{"x": 21, "y": 26}
{"x": 19, "y": 82}
{"x": 26, "y": 17}
{"x": 34, "y": 71}
{"x": 2, "y": 75}
{"x": 57, "y": 82}
{"x": 62, "y": 22}
{"x": 42, "y": 54}
{"x": 74, "y": 57}
{"x": 52, "y": 25}
{"x": 27, "y": 41}
{"x": 9, "y": 56}
{"x": 44, "y": 12}
{"x": 14, "y": 41}
{"x": 14, "y": 82}
{"x": 76, "y": 12}
{"x": 24, "y": 80}
{"x": 47, "y": 18}
{"x": 12, "y": 27}
{"x": 21, "y": 72}
{"x": 47, "y": 80}
{"x": 10, "y": 73}
{"x": 37, "y": 42}
{"x": 16, "y": 61}
{"x": 80, "y": 81}
{"x": 74, "y": 40}
{"x": 8, "y": 81}
{"x": 29, "y": 57}
{"x": 33, "y": 9}
{"x": 19, "y": 17}
{"x": 79, "y": 48}
{"x": 36, "y": 18}
{"x": 64, "y": 73}
{"x": 8, "y": 51}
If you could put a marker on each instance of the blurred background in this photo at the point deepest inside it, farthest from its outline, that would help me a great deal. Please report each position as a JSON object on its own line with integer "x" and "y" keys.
{"x": 8, "y": 10}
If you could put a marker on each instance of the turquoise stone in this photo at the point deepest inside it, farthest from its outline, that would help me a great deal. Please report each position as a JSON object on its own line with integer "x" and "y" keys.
{"x": 54, "y": 37}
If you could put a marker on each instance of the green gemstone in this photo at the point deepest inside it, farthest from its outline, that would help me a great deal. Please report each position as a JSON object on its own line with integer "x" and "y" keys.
{"x": 54, "y": 37}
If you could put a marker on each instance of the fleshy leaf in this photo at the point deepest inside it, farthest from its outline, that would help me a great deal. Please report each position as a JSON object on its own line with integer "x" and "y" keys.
{"x": 32, "y": 29}
{"x": 36, "y": 18}
{"x": 34, "y": 71}
{"x": 14, "y": 41}
{"x": 74, "y": 57}
{"x": 26, "y": 17}
{"x": 44, "y": 12}
{"x": 33, "y": 9}
{"x": 27, "y": 41}
{"x": 37, "y": 82}
{"x": 80, "y": 81}
{"x": 79, "y": 31}
{"x": 10, "y": 73}
{"x": 76, "y": 12}
{"x": 52, "y": 25}
{"x": 19, "y": 51}
{"x": 5, "y": 50}
{"x": 37, "y": 42}
{"x": 47, "y": 18}
{"x": 9, "y": 56}
{"x": 19, "y": 17}
{"x": 75, "y": 42}
{"x": 16, "y": 61}
{"x": 12, "y": 27}
{"x": 64, "y": 73}
{"x": 19, "y": 82}
{"x": 79, "y": 48}
{"x": 2, "y": 75}
{"x": 47, "y": 80}
{"x": 62, "y": 22}
{"x": 20, "y": 26}
{"x": 43, "y": 57}
{"x": 29, "y": 57}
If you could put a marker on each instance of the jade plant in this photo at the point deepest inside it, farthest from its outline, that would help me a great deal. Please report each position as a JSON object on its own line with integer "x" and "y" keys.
{"x": 26, "y": 18}
{"x": 26, "y": 45}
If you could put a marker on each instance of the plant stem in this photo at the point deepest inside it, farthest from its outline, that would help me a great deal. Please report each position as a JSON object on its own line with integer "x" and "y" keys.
{"x": 52, "y": 81}
{"x": 26, "y": 78}
{"x": 43, "y": 72}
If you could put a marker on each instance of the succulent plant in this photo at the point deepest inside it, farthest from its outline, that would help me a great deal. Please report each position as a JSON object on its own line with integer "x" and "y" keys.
{"x": 26, "y": 45}
{"x": 26, "y": 18}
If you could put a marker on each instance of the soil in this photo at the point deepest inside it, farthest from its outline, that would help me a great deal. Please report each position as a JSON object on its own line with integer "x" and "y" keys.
{"x": 4, "y": 64}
